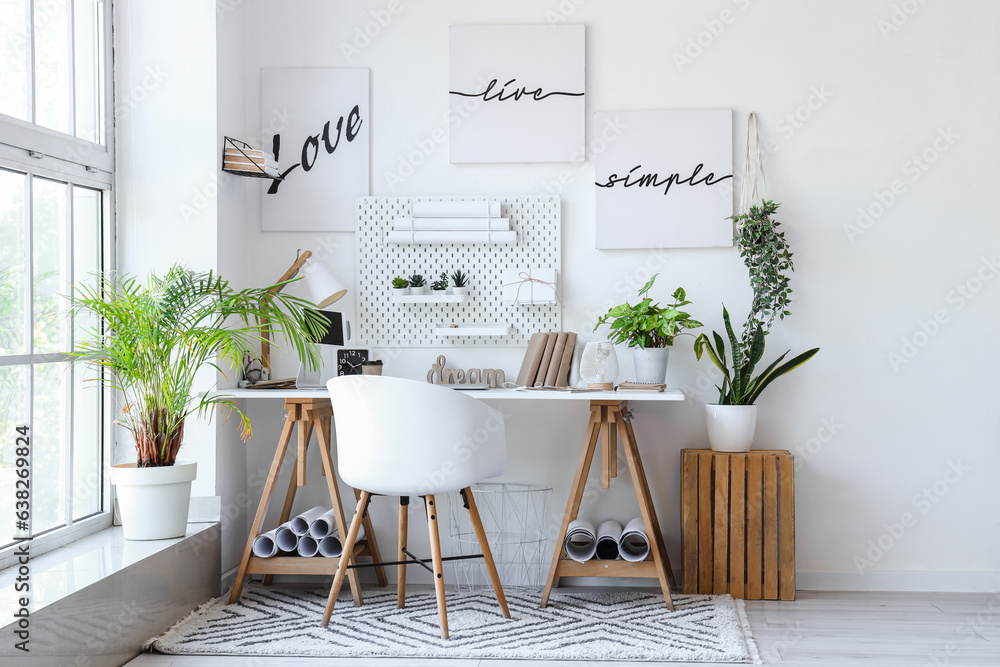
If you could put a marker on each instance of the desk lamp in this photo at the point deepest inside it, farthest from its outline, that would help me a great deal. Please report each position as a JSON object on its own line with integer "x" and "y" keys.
{"x": 324, "y": 288}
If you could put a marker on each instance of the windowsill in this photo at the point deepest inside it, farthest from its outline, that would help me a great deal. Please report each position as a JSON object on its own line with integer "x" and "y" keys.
{"x": 75, "y": 566}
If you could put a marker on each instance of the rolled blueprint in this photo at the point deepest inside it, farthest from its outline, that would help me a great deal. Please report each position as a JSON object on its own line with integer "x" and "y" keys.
{"x": 402, "y": 237}
{"x": 307, "y": 546}
{"x": 265, "y": 545}
{"x": 301, "y": 523}
{"x": 323, "y": 526}
{"x": 581, "y": 540}
{"x": 285, "y": 538}
{"x": 608, "y": 535}
{"x": 634, "y": 543}
{"x": 406, "y": 223}
{"x": 331, "y": 546}
{"x": 456, "y": 209}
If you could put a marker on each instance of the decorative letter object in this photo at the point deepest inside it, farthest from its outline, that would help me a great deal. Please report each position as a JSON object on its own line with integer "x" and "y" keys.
{"x": 517, "y": 93}
{"x": 667, "y": 180}
{"x": 316, "y": 123}
{"x": 438, "y": 374}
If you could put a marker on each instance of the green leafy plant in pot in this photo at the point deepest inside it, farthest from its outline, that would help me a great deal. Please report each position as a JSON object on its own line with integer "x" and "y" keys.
{"x": 150, "y": 341}
{"x": 649, "y": 329}
{"x": 732, "y": 423}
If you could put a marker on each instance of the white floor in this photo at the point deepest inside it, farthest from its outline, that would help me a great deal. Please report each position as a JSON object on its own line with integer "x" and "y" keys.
{"x": 819, "y": 628}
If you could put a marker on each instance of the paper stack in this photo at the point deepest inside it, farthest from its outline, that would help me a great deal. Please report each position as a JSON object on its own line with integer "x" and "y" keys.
{"x": 453, "y": 222}
{"x": 249, "y": 161}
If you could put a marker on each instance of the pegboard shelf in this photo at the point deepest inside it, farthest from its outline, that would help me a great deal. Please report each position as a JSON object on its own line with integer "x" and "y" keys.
{"x": 384, "y": 321}
{"x": 473, "y": 330}
{"x": 430, "y": 298}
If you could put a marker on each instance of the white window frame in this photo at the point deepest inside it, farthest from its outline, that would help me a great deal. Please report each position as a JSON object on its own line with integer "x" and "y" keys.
{"x": 32, "y": 149}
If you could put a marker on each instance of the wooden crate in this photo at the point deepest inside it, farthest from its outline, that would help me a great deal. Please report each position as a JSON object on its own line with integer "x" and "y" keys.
{"x": 738, "y": 523}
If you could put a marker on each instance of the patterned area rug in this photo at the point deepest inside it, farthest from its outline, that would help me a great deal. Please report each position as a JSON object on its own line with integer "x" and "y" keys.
{"x": 575, "y": 626}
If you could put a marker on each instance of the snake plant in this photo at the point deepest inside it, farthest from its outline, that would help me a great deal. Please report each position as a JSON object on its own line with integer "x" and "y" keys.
{"x": 739, "y": 386}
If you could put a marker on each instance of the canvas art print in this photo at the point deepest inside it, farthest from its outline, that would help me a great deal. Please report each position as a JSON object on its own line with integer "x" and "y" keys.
{"x": 322, "y": 147}
{"x": 516, "y": 93}
{"x": 667, "y": 181}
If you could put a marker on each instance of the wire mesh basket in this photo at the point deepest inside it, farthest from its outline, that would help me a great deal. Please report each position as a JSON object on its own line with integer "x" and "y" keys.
{"x": 515, "y": 519}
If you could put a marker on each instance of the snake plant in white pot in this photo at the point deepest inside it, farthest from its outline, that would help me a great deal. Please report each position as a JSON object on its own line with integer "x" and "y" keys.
{"x": 733, "y": 421}
{"x": 150, "y": 341}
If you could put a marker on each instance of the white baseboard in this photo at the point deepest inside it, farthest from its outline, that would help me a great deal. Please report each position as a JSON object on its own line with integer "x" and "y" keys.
{"x": 939, "y": 582}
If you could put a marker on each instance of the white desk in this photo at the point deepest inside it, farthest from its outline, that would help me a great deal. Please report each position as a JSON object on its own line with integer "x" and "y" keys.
{"x": 610, "y": 418}
{"x": 483, "y": 394}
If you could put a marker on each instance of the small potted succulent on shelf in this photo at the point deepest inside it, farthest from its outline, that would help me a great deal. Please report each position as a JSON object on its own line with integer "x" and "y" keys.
{"x": 440, "y": 286}
{"x": 418, "y": 285}
{"x": 460, "y": 282}
{"x": 400, "y": 286}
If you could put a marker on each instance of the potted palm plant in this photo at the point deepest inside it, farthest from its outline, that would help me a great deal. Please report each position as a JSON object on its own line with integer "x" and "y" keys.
{"x": 649, "y": 329}
{"x": 733, "y": 421}
{"x": 150, "y": 341}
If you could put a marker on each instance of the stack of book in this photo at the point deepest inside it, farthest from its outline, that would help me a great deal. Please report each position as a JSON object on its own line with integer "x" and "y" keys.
{"x": 246, "y": 161}
{"x": 548, "y": 359}
{"x": 641, "y": 386}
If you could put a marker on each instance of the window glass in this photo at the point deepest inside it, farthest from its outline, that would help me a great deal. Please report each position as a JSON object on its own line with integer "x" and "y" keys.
{"x": 52, "y": 69}
{"x": 13, "y": 292}
{"x": 49, "y": 235}
{"x": 49, "y": 460}
{"x": 14, "y": 58}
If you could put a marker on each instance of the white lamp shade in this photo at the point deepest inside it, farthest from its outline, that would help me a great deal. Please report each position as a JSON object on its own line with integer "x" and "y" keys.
{"x": 324, "y": 287}
{"x": 599, "y": 363}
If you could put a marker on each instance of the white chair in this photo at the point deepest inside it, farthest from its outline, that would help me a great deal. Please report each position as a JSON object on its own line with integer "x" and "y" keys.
{"x": 403, "y": 438}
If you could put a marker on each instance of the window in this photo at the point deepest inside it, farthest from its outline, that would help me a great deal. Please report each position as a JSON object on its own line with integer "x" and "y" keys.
{"x": 56, "y": 173}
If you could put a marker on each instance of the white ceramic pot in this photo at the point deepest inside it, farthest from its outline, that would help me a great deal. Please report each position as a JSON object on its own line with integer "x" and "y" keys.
{"x": 439, "y": 292}
{"x": 650, "y": 364}
{"x": 731, "y": 427}
{"x": 460, "y": 291}
{"x": 419, "y": 291}
{"x": 153, "y": 502}
{"x": 400, "y": 291}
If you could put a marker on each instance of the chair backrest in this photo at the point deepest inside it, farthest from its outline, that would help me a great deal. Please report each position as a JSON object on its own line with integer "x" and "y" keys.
{"x": 406, "y": 438}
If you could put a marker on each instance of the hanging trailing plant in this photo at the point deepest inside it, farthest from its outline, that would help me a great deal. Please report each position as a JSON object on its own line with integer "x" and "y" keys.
{"x": 769, "y": 259}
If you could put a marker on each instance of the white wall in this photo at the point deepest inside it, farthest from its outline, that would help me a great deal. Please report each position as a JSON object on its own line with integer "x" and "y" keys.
{"x": 166, "y": 161}
{"x": 844, "y": 107}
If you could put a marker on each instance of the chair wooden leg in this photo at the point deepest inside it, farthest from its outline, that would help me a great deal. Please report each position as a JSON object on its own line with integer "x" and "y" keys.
{"x": 484, "y": 546}
{"x": 401, "y": 569}
{"x": 345, "y": 560}
{"x": 432, "y": 527}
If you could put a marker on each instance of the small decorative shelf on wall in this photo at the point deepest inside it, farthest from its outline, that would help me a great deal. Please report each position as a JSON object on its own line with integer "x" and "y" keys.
{"x": 474, "y": 330}
{"x": 430, "y": 298}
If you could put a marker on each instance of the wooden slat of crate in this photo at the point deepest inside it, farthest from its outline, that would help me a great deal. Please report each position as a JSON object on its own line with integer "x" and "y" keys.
{"x": 738, "y": 523}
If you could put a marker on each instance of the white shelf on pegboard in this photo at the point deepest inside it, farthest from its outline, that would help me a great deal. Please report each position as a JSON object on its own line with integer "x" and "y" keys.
{"x": 473, "y": 330}
{"x": 430, "y": 298}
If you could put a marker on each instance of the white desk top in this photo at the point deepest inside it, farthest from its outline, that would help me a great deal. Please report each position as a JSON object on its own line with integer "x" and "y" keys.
{"x": 483, "y": 394}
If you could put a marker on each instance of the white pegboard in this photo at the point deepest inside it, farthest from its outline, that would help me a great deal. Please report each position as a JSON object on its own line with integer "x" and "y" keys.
{"x": 536, "y": 218}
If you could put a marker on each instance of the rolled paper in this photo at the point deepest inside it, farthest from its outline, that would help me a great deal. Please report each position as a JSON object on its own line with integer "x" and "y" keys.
{"x": 413, "y": 236}
{"x": 634, "y": 543}
{"x": 457, "y": 209}
{"x": 324, "y": 525}
{"x": 331, "y": 546}
{"x": 307, "y": 546}
{"x": 406, "y": 223}
{"x": 608, "y": 534}
{"x": 581, "y": 541}
{"x": 301, "y": 523}
{"x": 285, "y": 538}
{"x": 265, "y": 545}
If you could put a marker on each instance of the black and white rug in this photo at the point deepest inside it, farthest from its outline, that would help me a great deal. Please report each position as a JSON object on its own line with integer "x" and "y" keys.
{"x": 575, "y": 626}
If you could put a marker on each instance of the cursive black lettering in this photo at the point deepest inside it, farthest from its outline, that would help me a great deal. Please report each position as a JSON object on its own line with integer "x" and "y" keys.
{"x": 517, "y": 94}
{"x": 653, "y": 179}
{"x": 310, "y": 147}
{"x": 311, "y": 144}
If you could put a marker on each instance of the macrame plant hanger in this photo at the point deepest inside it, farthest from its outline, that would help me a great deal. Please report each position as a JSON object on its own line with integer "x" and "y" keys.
{"x": 753, "y": 168}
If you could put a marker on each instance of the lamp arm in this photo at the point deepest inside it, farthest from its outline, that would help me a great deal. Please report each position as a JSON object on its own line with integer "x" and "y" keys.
{"x": 265, "y": 329}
